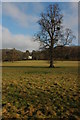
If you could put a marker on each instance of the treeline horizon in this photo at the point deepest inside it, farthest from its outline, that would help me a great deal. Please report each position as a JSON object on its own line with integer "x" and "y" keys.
{"x": 59, "y": 53}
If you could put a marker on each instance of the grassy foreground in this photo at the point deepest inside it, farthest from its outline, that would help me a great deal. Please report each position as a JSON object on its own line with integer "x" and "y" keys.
{"x": 32, "y": 90}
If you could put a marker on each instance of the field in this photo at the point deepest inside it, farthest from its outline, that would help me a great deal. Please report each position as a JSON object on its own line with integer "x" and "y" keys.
{"x": 32, "y": 90}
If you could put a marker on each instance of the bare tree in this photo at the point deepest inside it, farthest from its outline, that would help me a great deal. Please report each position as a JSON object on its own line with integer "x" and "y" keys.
{"x": 68, "y": 36}
{"x": 51, "y": 29}
{"x": 50, "y": 23}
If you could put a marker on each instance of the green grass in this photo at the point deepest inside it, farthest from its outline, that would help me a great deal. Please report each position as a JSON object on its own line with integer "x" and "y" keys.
{"x": 33, "y": 90}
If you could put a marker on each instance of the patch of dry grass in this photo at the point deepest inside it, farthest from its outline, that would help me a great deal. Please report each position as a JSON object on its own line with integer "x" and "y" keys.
{"x": 32, "y": 90}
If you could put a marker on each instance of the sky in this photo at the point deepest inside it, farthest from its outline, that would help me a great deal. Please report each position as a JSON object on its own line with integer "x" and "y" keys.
{"x": 19, "y": 22}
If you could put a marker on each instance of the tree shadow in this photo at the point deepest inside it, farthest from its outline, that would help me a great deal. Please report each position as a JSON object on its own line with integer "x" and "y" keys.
{"x": 32, "y": 67}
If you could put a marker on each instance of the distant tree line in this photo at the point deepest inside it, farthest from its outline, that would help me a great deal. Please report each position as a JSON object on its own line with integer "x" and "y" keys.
{"x": 14, "y": 55}
{"x": 59, "y": 53}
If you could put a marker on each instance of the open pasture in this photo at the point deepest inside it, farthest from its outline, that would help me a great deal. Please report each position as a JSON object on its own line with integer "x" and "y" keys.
{"x": 33, "y": 90}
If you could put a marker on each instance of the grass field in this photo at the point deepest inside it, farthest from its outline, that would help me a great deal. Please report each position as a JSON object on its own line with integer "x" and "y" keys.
{"x": 33, "y": 90}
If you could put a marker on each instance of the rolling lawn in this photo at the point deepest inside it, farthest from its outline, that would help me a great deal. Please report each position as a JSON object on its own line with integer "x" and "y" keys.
{"x": 30, "y": 90}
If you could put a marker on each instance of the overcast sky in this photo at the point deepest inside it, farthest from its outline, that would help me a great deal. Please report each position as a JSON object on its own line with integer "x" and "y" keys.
{"x": 19, "y": 22}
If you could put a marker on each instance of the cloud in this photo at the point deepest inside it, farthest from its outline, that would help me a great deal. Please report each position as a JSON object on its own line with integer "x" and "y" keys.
{"x": 0, "y": 12}
{"x": 13, "y": 11}
{"x": 71, "y": 16}
{"x": 19, "y": 41}
{"x": 71, "y": 19}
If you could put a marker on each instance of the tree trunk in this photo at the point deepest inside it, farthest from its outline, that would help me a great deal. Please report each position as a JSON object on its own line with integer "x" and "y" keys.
{"x": 51, "y": 55}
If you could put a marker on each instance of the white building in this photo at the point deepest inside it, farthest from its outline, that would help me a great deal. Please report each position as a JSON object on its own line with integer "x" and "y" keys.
{"x": 30, "y": 57}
